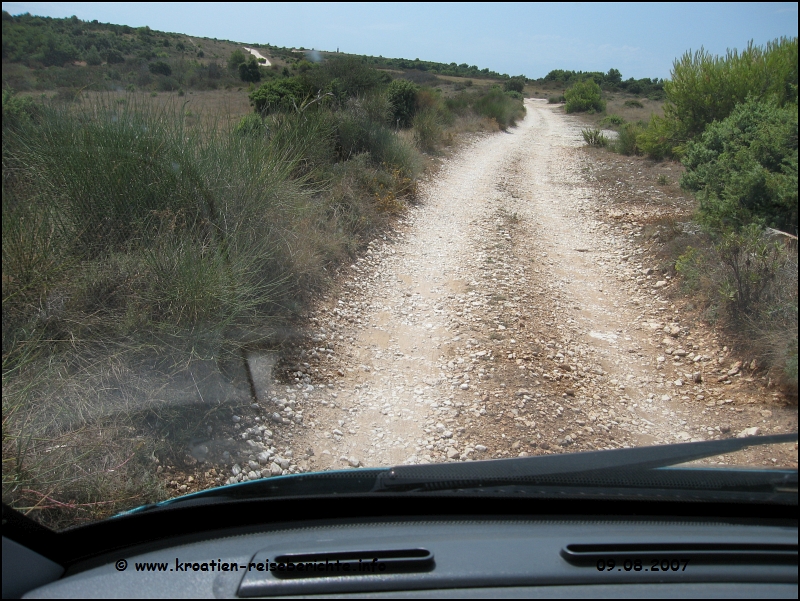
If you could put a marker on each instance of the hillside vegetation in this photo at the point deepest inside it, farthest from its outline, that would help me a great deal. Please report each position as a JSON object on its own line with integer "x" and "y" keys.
{"x": 143, "y": 247}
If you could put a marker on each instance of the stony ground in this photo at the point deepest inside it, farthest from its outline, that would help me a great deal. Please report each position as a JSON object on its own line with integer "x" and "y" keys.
{"x": 519, "y": 309}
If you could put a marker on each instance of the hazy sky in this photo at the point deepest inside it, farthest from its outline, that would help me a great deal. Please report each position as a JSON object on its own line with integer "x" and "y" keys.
{"x": 641, "y": 40}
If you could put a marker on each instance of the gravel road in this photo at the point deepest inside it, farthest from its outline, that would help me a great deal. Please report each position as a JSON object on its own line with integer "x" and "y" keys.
{"x": 504, "y": 316}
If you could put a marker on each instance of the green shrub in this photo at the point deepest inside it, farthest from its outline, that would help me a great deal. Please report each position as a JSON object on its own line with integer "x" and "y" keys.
{"x": 633, "y": 104}
{"x": 556, "y": 99}
{"x": 402, "y": 94}
{"x": 744, "y": 168}
{"x": 93, "y": 57}
{"x": 658, "y": 139}
{"x": 612, "y": 120}
{"x": 705, "y": 88}
{"x": 515, "y": 84}
{"x": 279, "y": 95}
{"x": 160, "y": 68}
{"x": 236, "y": 58}
{"x": 515, "y": 95}
{"x": 584, "y": 96}
{"x": 594, "y": 137}
{"x": 249, "y": 71}
{"x": 626, "y": 142}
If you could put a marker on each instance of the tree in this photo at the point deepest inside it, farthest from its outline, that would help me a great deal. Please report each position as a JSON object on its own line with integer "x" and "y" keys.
{"x": 613, "y": 76}
{"x": 249, "y": 71}
{"x": 237, "y": 58}
{"x": 93, "y": 57}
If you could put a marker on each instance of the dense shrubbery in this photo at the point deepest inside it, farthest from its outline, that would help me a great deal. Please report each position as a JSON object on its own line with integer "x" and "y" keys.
{"x": 706, "y": 88}
{"x": 584, "y": 96}
{"x": 744, "y": 168}
{"x": 402, "y": 94}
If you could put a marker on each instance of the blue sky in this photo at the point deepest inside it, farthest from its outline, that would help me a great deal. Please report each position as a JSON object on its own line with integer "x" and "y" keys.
{"x": 641, "y": 40}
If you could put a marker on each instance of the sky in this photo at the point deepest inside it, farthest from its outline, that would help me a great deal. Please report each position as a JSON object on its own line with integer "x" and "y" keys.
{"x": 639, "y": 39}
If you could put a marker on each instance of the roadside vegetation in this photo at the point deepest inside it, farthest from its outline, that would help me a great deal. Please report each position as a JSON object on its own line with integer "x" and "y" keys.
{"x": 732, "y": 122}
{"x": 145, "y": 250}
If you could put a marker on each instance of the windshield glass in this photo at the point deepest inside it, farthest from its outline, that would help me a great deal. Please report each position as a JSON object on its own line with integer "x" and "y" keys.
{"x": 226, "y": 262}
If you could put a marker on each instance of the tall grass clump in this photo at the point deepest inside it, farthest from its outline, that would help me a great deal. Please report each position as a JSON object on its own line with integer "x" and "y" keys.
{"x": 594, "y": 137}
{"x": 499, "y": 106}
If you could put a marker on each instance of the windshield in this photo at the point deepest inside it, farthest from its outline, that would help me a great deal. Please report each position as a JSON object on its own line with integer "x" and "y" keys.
{"x": 228, "y": 262}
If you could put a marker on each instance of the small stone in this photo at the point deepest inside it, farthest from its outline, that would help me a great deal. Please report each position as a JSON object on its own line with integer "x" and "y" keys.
{"x": 678, "y": 382}
{"x": 263, "y": 457}
{"x": 569, "y": 392}
{"x": 353, "y": 462}
{"x": 755, "y": 431}
{"x": 464, "y": 386}
{"x": 452, "y": 453}
{"x": 680, "y": 352}
{"x": 236, "y": 470}
{"x": 660, "y": 283}
{"x": 697, "y": 377}
{"x": 735, "y": 368}
{"x": 236, "y": 419}
{"x": 725, "y": 428}
{"x": 766, "y": 413}
{"x": 480, "y": 448}
{"x": 275, "y": 469}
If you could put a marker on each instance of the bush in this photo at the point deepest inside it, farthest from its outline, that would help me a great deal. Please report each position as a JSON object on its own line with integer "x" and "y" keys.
{"x": 515, "y": 95}
{"x": 594, "y": 137}
{"x": 495, "y": 104}
{"x": 160, "y": 68}
{"x": 626, "y": 142}
{"x": 633, "y": 104}
{"x": 402, "y": 94}
{"x": 657, "y": 140}
{"x": 612, "y": 120}
{"x": 515, "y": 84}
{"x": 584, "y": 96}
{"x": 705, "y": 88}
{"x": 280, "y": 95}
{"x": 93, "y": 57}
{"x": 556, "y": 99}
{"x": 744, "y": 168}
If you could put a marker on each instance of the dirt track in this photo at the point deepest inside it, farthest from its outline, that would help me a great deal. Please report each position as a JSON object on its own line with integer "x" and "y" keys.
{"x": 514, "y": 311}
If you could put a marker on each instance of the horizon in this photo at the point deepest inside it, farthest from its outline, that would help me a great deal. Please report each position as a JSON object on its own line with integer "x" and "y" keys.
{"x": 530, "y": 39}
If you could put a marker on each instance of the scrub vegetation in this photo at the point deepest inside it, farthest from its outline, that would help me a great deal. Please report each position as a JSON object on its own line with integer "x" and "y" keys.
{"x": 144, "y": 246}
{"x": 732, "y": 122}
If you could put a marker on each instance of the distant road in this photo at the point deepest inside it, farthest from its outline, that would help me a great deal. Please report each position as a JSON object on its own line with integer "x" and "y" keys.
{"x": 258, "y": 55}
